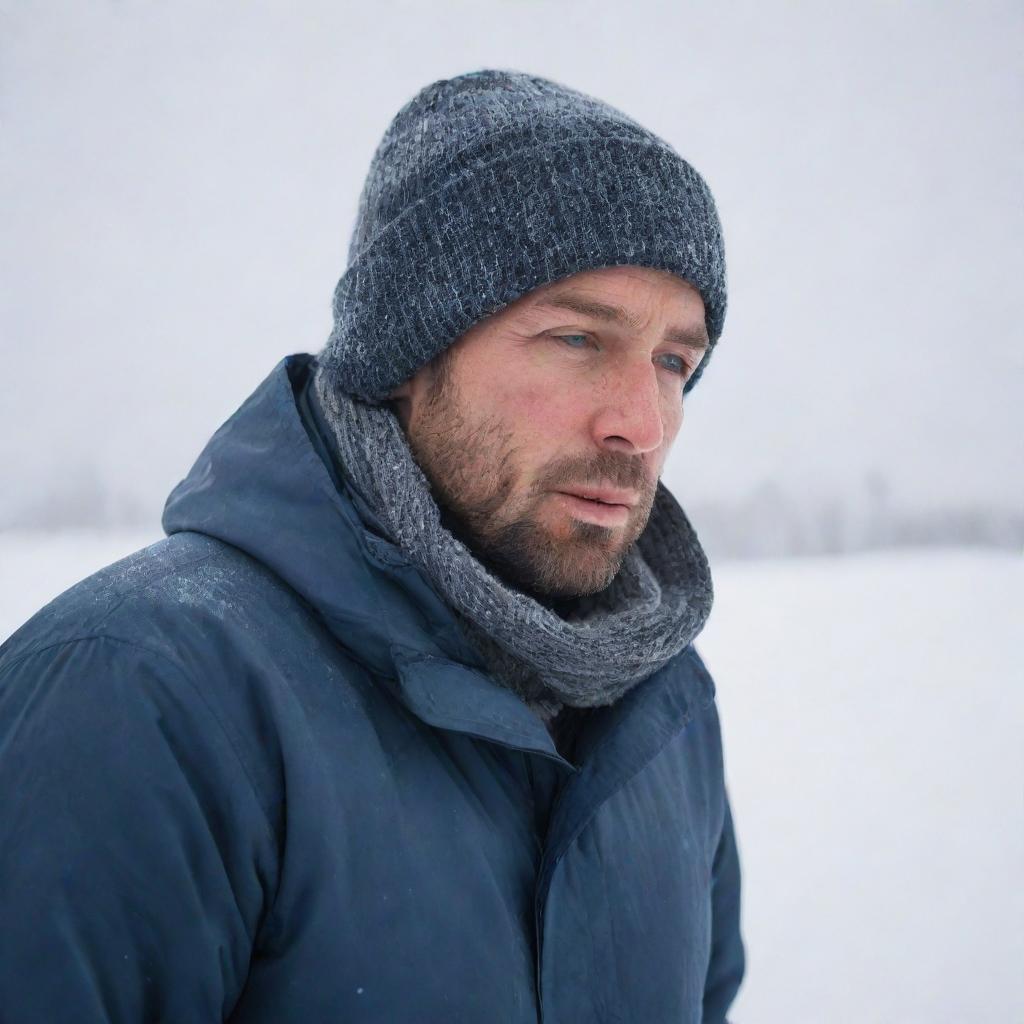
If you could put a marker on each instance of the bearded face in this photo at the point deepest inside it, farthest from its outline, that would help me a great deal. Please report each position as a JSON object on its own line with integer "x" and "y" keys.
{"x": 543, "y": 429}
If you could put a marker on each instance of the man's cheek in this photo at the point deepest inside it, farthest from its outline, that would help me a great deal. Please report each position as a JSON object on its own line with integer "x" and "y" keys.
{"x": 550, "y": 408}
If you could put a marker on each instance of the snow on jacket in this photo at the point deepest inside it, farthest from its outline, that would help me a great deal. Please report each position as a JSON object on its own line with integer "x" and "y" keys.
{"x": 253, "y": 773}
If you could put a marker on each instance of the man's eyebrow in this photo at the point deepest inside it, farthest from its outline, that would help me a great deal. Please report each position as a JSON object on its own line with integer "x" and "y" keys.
{"x": 695, "y": 337}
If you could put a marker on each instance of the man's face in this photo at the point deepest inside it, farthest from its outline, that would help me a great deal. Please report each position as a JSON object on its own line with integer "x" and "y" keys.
{"x": 573, "y": 392}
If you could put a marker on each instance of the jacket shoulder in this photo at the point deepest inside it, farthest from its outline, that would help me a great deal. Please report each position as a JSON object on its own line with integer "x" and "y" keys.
{"x": 120, "y": 771}
{"x": 147, "y": 597}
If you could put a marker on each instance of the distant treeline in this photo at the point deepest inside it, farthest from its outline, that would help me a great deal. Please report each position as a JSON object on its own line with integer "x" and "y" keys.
{"x": 774, "y": 522}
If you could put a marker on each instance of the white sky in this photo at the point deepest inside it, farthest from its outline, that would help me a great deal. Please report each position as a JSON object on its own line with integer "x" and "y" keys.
{"x": 178, "y": 183}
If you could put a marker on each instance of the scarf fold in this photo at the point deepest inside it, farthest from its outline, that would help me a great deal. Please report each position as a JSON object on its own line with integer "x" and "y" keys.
{"x": 591, "y": 653}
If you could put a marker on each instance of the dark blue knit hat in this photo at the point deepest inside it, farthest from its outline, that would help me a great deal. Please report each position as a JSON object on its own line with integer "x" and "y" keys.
{"x": 488, "y": 185}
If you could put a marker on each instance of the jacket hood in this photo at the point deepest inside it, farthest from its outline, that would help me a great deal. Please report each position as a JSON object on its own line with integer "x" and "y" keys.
{"x": 261, "y": 485}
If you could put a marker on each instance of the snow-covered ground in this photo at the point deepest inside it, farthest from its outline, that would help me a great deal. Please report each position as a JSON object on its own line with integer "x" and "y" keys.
{"x": 873, "y": 709}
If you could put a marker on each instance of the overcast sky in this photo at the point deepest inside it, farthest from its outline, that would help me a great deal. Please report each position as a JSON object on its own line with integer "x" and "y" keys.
{"x": 179, "y": 181}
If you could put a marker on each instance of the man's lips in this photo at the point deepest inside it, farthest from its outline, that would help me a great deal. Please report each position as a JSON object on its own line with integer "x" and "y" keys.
{"x": 593, "y": 510}
{"x": 605, "y": 495}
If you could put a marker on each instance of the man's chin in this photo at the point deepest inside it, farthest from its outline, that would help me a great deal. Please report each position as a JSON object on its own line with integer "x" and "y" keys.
{"x": 549, "y": 561}
{"x": 567, "y": 575}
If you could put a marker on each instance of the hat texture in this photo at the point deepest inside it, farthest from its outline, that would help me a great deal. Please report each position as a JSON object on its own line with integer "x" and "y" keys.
{"x": 493, "y": 183}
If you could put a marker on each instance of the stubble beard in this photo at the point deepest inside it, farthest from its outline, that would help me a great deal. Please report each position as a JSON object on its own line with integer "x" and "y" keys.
{"x": 470, "y": 465}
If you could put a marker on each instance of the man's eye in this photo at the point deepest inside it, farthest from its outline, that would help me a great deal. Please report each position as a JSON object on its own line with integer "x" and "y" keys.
{"x": 567, "y": 338}
{"x": 679, "y": 365}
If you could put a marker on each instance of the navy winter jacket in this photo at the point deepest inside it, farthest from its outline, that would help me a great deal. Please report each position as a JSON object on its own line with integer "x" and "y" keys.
{"x": 253, "y": 773}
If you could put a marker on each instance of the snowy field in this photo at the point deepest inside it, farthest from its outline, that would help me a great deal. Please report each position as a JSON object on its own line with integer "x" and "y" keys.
{"x": 873, "y": 709}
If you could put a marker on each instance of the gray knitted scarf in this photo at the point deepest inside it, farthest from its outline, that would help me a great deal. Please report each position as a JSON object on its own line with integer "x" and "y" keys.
{"x": 604, "y": 646}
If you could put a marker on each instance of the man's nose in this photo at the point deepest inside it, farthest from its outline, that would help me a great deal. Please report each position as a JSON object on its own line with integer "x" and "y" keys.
{"x": 629, "y": 416}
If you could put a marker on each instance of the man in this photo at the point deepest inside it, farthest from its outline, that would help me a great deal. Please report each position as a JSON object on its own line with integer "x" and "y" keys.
{"x": 403, "y": 720}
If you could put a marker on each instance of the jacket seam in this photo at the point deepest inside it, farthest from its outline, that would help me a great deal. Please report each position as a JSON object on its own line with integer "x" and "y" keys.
{"x": 584, "y": 823}
{"x": 180, "y": 670}
{"x": 616, "y": 1007}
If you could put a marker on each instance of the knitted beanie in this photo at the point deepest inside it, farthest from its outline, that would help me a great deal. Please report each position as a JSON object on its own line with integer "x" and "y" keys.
{"x": 493, "y": 183}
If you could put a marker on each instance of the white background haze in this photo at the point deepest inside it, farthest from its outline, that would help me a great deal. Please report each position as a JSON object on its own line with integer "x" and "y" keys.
{"x": 178, "y": 183}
